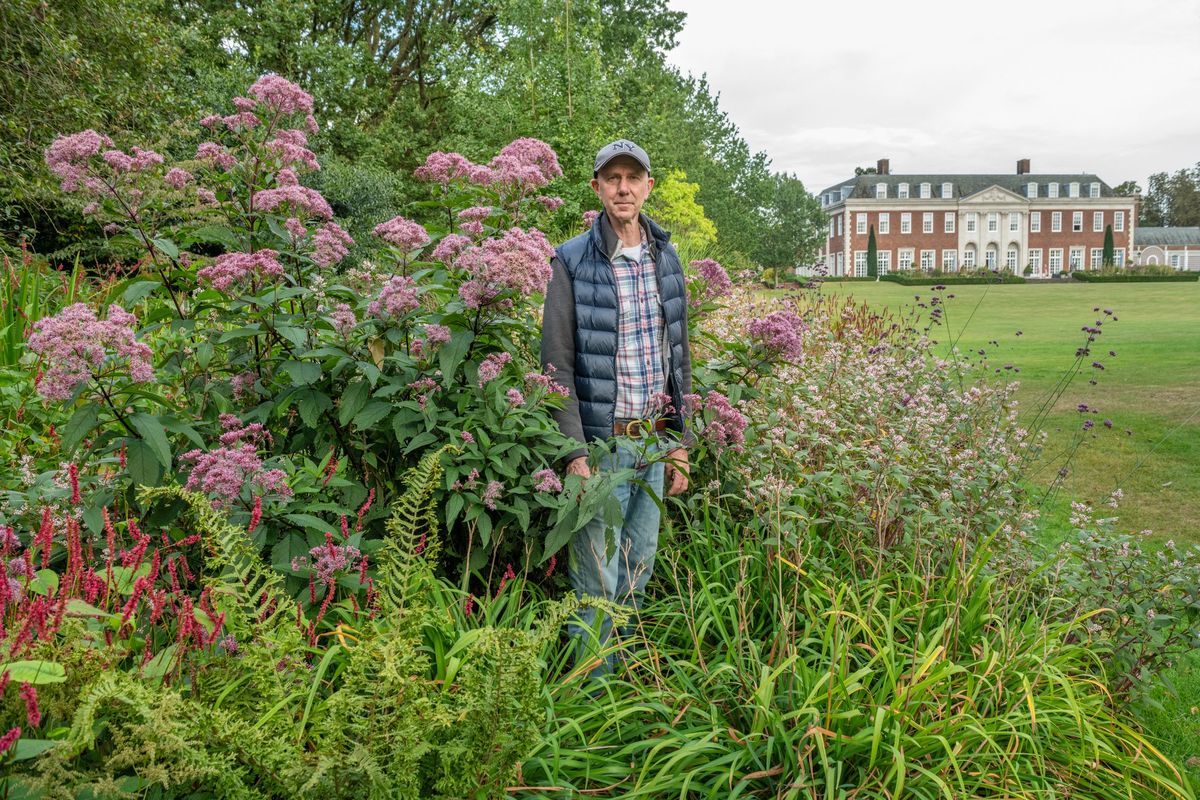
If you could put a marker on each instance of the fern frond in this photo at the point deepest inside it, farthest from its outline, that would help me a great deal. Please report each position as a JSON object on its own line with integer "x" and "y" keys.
{"x": 412, "y": 541}
{"x": 259, "y": 604}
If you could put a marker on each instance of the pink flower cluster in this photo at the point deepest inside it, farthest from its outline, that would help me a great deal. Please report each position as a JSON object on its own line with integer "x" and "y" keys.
{"x": 441, "y": 167}
{"x": 780, "y": 333}
{"x": 329, "y": 560}
{"x": 300, "y": 198}
{"x": 546, "y": 480}
{"x": 490, "y": 367}
{"x": 405, "y": 234}
{"x": 545, "y": 382}
{"x": 234, "y": 466}
{"x": 397, "y": 297}
{"x": 724, "y": 426}
{"x": 449, "y": 247}
{"x": 713, "y": 281}
{"x": 517, "y": 261}
{"x": 343, "y": 319}
{"x": 524, "y": 165}
{"x": 291, "y": 147}
{"x": 590, "y": 217}
{"x": 216, "y": 154}
{"x": 228, "y": 269}
{"x": 281, "y": 95}
{"x": 68, "y": 156}
{"x": 330, "y": 244}
{"x": 76, "y": 345}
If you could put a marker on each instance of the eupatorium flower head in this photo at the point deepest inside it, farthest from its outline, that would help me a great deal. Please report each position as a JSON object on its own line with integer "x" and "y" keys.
{"x": 780, "y": 334}
{"x": 281, "y": 95}
{"x": 230, "y": 268}
{"x": 516, "y": 260}
{"x": 397, "y": 297}
{"x": 68, "y": 156}
{"x": 405, "y": 234}
{"x": 76, "y": 345}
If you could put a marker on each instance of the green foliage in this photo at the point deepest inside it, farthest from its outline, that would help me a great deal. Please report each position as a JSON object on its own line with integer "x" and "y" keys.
{"x": 794, "y": 229}
{"x": 872, "y": 255}
{"x": 951, "y": 278}
{"x": 673, "y": 205}
{"x": 1137, "y": 276}
{"x": 1172, "y": 200}
{"x": 1109, "y": 250}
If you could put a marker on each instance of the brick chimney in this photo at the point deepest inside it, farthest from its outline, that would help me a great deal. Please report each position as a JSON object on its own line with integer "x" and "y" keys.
{"x": 882, "y": 167}
{"x": 1023, "y": 166}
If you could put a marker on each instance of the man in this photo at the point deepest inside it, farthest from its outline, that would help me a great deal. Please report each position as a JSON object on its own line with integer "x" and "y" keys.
{"x": 615, "y": 330}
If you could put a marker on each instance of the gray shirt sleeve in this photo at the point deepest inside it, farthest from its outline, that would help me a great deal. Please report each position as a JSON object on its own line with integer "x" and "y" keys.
{"x": 558, "y": 349}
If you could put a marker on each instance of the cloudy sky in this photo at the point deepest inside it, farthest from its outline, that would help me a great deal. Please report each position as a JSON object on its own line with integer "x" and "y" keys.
{"x": 1099, "y": 86}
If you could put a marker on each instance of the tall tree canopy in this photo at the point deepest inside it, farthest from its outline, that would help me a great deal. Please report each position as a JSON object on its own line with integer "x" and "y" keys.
{"x": 1172, "y": 200}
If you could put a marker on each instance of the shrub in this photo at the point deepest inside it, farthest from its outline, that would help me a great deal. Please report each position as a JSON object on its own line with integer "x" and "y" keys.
{"x": 1136, "y": 277}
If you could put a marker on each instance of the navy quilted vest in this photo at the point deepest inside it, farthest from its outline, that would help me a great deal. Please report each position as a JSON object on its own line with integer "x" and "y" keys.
{"x": 596, "y": 323}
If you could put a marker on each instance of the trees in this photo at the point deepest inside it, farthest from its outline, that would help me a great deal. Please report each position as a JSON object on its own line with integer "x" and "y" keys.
{"x": 794, "y": 225}
{"x": 1172, "y": 200}
{"x": 1127, "y": 189}
{"x": 872, "y": 256}
{"x": 1109, "y": 250}
{"x": 673, "y": 204}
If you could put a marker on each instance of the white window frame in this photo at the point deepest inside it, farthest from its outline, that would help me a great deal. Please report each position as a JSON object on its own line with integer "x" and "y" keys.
{"x": 1118, "y": 221}
{"x": 1097, "y": 258}
{"x": 1076, "y": 222}
{"x": 969, "y": 254}
{"x": 1097, "y": 221}
{"x": 991, "y": 257}
{"x": 1035, "y": 260}
{"x": 904, "y": 258}
{"x": 1075, "y": 258}
{"x": 1052, "y": 190}
{"x": 927, "y": 260}
{"x": 840, "y": 228}
{"x": 927, "y": 222}
{"x": 993, "y": 221}
{"x": 1176, "y": 260}
{"x": 1012, "y": 257}
{"x": 1073, "y": 189}
{"x": 906, "y": 222}
{"x": 947, "y": 189}
{"x": 1056, "y": 260}
{"x": 1056, "y": 222}
{"x": 881, "y": 191}
{"x": 860, "y": 224}
{"x": 883, "y": 259}
{"x": 926, "y": 191}
{"x": 1014, "y": 222}
{"x": 841, "y": 263}
{"x": 972, "y": 221}
{"x": 948, "y": 225}
{"x": 1094, "y": 190}
{"x": 902, "y": 191}
{"x": 1031, "y": 190}
{"x": 1119, "y": 258}
{"x": 949, "y": 260}
{"x": 1035, "y": 222}
{"x": 885, "y": 223}
{"x": 832, "y": 227}
{"x": 860, "y": 263}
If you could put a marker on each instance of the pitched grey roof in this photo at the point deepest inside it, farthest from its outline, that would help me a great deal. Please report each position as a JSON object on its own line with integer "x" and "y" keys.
{"x": 966, "y": 185}
{"x": 1145, "y": 237}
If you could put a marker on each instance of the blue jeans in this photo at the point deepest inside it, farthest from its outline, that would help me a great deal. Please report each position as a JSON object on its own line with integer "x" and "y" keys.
{"x": 622, "y": 577}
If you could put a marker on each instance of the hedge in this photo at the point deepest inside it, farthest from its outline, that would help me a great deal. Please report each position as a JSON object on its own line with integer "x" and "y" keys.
{"x": 1096, "y": 277}
{"x": 918, "y": 279}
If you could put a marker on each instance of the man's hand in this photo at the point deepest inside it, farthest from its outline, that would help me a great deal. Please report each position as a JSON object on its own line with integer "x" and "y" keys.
{"x": 675, "y": 477}
{"x": 579, "y": 466}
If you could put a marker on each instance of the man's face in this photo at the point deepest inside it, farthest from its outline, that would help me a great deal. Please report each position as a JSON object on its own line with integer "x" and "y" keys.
{"x": 622, "y": 186}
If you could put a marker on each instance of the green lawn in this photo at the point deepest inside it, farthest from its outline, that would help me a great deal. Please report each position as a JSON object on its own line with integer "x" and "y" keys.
{"x": 1151, "y": 388}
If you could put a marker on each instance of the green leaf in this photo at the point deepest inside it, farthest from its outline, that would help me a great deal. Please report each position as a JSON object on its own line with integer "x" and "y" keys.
{"x": 141, "y": 463}
{"x": 353, "y": 400}
{"x": 311, "y": 404}
{"x": 82, "y": 608}
{"x": 44, "y": 582}
{"x": 374, "y": 412}
{"x": 36, "y": 672}
{"x": 160, "y": 664}
{"x": 204, "y": 354}
{"x": 214, "y": 234}
{"x": 451, "y": 354}
{"x": 310, "y": 522}
{"x": 422, "y": 440}
{"x": 297, "y": 336}
{"x": 82, "y": 422}
{"x": 154, "y": 436}
{"x": 124, "y": 577}
{"x": 285, "y": 550}
{"x": 31, "y": 748}
{"x": 453, "y": 506}
{"x": 302, "y": 373}
{"x": 137, "y": 291}
{"x": 166, "y": 246}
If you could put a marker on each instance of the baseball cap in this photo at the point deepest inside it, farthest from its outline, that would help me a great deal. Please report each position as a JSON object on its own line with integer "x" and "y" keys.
{"x": 621, "y": 147}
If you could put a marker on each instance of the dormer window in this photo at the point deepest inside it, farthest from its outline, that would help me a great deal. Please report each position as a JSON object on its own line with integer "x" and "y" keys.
{"x": 880, "y": 191}
{"x": 947, "y": 189}
{"x": 1073, "y": 190}
{"x": 902, "y": 192}
{"x": 1051, "y": 190}
{"x": 1094, "y": 190}
{"x": 1031, "y": 190}
{"x": 926, "y": 191}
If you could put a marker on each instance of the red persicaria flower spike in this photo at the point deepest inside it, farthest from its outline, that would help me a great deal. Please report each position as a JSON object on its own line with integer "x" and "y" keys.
{"x": 122, "y": 456}
{"x": 345, "y": 527}
{"x": 5, "y": 677}
{"x": 32, "y": 713}
{"x": 73, "y": 474}
{"x": 9, "y": 739}
{"x": 469, "y": 605}
{"x": 255, "y": 515}
{"x": 331, "y": 467}
{"x": 312, "y": 589}
{"x": 553, "y": 563}
{"x": 365, "y": 508}
{"x": 362, "y": 570}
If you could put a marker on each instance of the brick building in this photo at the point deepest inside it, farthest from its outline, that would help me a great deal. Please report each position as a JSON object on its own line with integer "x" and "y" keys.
{"x": 1173, "y": 247}
{"x": 1048, "y": 223}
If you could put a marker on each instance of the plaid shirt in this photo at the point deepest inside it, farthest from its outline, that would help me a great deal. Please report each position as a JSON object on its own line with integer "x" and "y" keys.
{"x": 640, "y": 371}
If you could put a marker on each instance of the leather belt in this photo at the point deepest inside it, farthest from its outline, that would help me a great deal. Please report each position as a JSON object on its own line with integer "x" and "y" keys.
{"x": 637, "y": 428}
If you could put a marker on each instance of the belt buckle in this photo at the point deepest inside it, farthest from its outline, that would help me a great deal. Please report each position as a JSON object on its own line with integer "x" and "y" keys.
{"x": 631, "y": 428}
